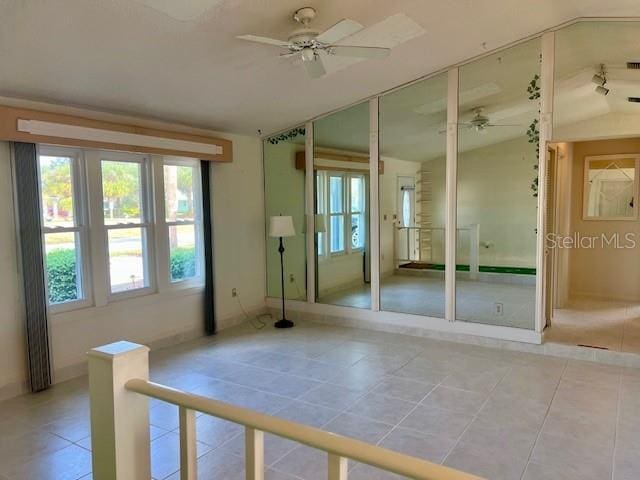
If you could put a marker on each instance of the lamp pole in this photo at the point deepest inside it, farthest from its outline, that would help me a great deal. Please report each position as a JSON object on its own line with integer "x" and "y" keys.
{"x": 283, "y": 322}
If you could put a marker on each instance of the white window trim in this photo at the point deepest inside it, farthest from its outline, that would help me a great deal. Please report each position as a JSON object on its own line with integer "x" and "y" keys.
{"x": 163, "y": 248}
{"x": 347, "y": 214}
{"x": 81, "y": 219}
{"x": 146, "y": 224}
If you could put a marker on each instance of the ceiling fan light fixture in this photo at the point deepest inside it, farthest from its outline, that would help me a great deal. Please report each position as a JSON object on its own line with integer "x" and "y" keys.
{"x": 308, "y": 55}
{"x": 604, "y": 91}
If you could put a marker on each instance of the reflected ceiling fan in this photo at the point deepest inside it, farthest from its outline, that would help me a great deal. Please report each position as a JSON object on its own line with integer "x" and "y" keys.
{"x": 481, "y": 122}
{"x": 310, "y": 44}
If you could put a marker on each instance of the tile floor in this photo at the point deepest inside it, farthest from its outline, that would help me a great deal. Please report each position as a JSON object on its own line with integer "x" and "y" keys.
{"x": 425, "y": 296}
{"x": 613, "y": 325}
{"x": 496, "y": 413}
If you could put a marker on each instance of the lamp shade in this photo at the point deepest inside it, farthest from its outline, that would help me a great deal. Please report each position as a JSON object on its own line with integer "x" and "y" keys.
{"x": 281, "y": 226}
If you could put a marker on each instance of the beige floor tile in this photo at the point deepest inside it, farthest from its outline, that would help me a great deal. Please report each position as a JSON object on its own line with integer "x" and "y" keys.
{"x": 165, "y": 455}
{"x": 456, "y": 400}
{"x": 69, "y": 463}
{"x": 437, "y": 422}
{"x": 404, "y": 388}
{"x": 382, "y": 408}
{"x": 494, "y": 467}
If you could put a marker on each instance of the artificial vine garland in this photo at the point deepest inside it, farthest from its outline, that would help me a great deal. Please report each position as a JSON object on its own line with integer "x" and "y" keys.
{"x": 283, "y": 137}
{"x": 533, "y": 132}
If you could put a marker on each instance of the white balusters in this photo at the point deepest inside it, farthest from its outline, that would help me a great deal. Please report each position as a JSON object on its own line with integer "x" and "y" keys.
{"x": 188, "y": 453}
{"x": 337, "y": 467}
{"x": 254, "y": 453}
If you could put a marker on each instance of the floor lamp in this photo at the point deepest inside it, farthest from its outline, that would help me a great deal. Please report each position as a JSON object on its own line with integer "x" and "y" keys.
{"x": 280, "y": 227}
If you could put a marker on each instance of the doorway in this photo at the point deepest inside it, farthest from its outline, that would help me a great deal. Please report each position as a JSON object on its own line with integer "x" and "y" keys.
{"x": 592, "y": 266}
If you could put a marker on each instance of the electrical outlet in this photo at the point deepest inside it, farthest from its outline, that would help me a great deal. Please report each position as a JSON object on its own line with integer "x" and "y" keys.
{"x": 498, "y": 309}
{"x": 292, "y": 278}
{"x": 234, "y": 292}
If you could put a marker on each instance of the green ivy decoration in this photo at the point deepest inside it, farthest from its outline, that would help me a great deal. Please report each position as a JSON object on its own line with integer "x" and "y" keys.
{"x": 283, "y": 137}
{"x": 533, "y": 132}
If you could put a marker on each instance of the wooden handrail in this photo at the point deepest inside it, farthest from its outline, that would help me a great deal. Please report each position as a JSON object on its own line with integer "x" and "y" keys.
{"x": 335, "y": 445}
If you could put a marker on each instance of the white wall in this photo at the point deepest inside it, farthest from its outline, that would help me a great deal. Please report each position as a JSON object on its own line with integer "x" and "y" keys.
{"x": 157, "y": 319}
{"x": 494, "y": 191}
{"x": 602, "y": 272}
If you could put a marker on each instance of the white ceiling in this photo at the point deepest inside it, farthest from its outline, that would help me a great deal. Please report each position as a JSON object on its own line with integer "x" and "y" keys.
{"x": 182, "y": 63}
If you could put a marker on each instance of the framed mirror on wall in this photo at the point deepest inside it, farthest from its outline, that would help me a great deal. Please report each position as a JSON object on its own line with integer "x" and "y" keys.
{"x": 341, "y": 181}
{"x": 412, "y": 198}
{"x": 285, "y": 196}
{"x": 610, "y": 187}
{"x": 497, "y": 167}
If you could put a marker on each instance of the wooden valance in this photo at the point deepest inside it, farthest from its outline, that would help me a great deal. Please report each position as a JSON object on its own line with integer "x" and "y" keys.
{"x": 338, "y": 162}
{"x": 34, "y": 126}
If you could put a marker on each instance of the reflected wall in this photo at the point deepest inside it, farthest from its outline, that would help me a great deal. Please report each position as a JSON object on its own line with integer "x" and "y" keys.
{"x": 497, "y": 187}
{"x": 412, "y": 198}
{"x": 285, "y": 195}
{"x": 597, "y": 79}
{"x": 341, "y": 181}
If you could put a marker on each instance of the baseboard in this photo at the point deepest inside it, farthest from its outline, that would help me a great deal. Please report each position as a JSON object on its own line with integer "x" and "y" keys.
{"x": 416, "y": 325}
{"x": 13, "y": 389}
{"x": 234, "y": 320}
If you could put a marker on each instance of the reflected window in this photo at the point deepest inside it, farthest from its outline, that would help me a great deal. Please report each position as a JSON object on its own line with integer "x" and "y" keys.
{"x": 610, "y": 187}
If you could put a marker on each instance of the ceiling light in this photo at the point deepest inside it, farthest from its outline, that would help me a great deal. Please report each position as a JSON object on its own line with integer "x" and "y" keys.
{"x": 308, "y": 55}
{"x": 602, "y": 90}
{"x": 599, "y": 79}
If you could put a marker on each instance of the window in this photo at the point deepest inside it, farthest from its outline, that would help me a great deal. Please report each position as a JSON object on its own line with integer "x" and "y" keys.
{"x": 343, "y": 197}
{"x": 357, "y": 212}
{"x": 182, "y": 215}
{"x": 126, "y": 220}
{"x": 64, "y": 226}
{"x": 336, "y": 213}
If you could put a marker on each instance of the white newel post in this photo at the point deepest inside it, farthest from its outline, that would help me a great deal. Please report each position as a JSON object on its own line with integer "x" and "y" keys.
{"x": 119, "y": 418}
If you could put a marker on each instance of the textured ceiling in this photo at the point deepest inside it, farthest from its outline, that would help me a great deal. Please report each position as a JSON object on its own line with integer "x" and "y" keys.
{"x": 152, "y": 59}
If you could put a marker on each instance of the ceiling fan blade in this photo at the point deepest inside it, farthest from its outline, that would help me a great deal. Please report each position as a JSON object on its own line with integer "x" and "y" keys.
{"x": 315, "y": 68}
{"x": 503, "y": 125}
{"x": 340, "y": 30}
{"x": 359, "y": 52}
{"x": 265, "y": 40}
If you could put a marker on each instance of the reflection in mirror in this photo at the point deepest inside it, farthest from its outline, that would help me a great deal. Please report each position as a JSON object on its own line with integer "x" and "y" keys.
{"x": 597, "y": 81}
{"x": 412, "y": 198}
{"x": 341, "y": 169}
{"x": 610, "y": 185}
{"x": 497, "y": 187}
{"x": 284, "y": 195}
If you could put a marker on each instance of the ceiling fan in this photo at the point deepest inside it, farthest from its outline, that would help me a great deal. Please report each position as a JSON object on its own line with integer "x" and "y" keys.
{"x": 480, "y": 123}
{"x": 309, "y": 44}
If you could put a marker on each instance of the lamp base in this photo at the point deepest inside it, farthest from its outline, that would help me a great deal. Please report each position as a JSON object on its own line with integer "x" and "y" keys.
{"x": 284, "y": 323}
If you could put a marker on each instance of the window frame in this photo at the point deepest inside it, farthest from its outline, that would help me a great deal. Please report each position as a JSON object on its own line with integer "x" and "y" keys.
{"x": 164, "y": 225}
{"x": 80, "y": 228}
{"x": 323, "y": 199}
{"x": 146, "y": 224}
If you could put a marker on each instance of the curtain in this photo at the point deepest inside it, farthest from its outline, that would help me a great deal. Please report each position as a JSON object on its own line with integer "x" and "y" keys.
{"x": 209, "y": 292}
{"x": 33, "y": 268}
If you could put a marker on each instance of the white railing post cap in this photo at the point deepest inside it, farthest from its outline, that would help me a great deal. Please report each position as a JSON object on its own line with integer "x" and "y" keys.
{"x": 118, "y": 349}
